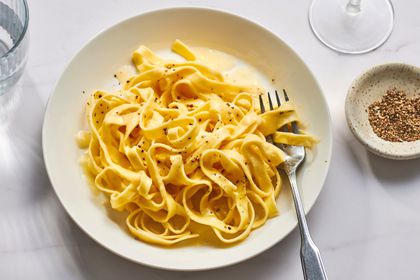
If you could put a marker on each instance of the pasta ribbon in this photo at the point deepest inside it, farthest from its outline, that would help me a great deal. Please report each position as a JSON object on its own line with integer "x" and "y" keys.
{"x": 178, "y": 148}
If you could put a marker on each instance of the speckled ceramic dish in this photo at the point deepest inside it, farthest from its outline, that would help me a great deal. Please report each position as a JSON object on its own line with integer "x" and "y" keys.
{"x": 370, "y": 87}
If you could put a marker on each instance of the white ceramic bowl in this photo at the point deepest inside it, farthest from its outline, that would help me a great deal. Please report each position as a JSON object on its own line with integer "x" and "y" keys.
{"x": 370, "y": 87}
{"x": 94, "y": 66}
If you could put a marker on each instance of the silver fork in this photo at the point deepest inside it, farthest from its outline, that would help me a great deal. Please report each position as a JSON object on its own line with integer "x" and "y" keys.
{"x": 312, "y": 266}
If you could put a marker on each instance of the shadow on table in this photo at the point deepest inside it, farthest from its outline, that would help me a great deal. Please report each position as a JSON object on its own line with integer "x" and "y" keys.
{"x": 387, "y": 171}
{"x": 399, "y": 179}
{"x": 95, "y": 262}
{"x": 394, "y": 171}
{"x": 21, "y": 116}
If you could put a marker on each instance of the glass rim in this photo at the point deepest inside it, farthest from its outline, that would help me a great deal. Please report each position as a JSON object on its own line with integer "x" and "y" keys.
{"x": 23, "y": 33}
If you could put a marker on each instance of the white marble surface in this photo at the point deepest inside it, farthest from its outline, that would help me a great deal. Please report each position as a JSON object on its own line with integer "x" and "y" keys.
{"x": 366, "y": 221}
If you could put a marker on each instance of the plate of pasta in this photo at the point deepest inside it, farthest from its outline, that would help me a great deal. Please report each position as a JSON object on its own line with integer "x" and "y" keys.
{"x": 155, "y": 145}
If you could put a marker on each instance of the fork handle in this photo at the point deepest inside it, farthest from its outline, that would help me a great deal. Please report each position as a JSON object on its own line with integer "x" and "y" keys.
{"x": 312, "y": 265}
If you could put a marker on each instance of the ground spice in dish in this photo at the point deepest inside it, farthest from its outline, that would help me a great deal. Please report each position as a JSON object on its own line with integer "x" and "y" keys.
{"x": 396, "y": 118}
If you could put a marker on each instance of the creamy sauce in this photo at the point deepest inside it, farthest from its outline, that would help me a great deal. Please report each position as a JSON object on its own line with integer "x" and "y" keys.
{"x": 214, "y": 59}
{"x": 242, "y": 75}
{"x": 234, "y": 70}
{"x": 125, "y": 72}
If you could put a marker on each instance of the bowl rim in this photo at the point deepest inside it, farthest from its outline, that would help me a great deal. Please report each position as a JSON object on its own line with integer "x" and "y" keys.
{"x": 352, "y": 91}
{"x": 260, "y": 27}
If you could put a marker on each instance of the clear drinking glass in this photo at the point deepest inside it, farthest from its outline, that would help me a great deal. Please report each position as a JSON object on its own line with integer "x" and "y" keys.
{"x": 352, "y": 26}
{"x": 14, "y": 17}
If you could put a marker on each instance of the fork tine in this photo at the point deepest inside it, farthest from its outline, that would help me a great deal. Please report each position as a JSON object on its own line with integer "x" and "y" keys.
{"x": 295, "y": 128}
{"x": 277, "y": 98}
{"x": 269, "y": 101}
{"x": 261, "y": 104}
{"x": 284, "y": 128}
{"x": 285, "y": 95}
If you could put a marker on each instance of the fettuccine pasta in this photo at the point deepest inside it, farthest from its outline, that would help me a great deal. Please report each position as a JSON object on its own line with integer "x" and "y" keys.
{"x": 178, "y": 148}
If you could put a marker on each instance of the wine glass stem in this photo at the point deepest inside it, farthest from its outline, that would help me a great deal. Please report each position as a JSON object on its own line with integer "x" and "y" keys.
{"x": 353, "y": 6}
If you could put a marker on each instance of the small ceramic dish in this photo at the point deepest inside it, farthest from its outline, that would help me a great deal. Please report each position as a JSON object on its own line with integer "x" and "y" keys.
{"x": 370, "y": 87}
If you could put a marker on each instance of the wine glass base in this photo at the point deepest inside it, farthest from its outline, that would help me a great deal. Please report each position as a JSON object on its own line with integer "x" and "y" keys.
{"x": 349, "y": 31}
